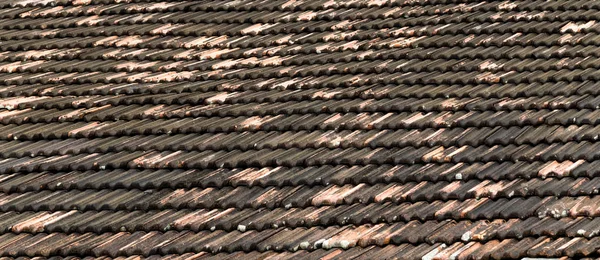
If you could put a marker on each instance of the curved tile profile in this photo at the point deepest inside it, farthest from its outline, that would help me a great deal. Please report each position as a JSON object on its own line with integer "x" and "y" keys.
{"x": 310, "y": 129}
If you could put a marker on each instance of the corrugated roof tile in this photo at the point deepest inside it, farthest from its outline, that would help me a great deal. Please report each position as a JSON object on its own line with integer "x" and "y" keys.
{"x": 299, "y": 129}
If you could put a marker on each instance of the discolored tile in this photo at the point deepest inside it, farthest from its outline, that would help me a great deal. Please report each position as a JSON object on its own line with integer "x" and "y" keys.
{"x": 299, "y": 129}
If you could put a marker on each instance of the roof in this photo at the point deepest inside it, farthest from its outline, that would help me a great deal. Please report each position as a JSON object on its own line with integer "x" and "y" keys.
{"x": 410, "y": 129}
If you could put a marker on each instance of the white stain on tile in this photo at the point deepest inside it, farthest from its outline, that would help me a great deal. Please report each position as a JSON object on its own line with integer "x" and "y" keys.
{"x": 576, "y": 27}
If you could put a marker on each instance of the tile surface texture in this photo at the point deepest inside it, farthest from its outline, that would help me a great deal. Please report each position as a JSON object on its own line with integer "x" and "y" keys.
{"x": 299, "y": 129}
